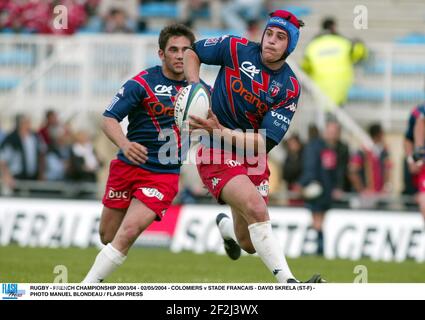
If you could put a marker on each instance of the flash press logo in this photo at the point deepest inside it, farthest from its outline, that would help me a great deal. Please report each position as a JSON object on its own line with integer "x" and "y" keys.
{"x": 10, "y": 291}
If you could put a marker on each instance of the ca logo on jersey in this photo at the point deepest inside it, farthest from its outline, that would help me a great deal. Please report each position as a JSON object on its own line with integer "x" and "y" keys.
{"x": 162, "y": 90}
{"x": 249, "y": 69}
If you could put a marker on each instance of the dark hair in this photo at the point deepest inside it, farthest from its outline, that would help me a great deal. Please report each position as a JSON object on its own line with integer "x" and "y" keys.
{"x": 328, "y": 23}
{"x": 50, "y": 112}
{"x": 375, "y": 130}
{"x": 173, "y": 30}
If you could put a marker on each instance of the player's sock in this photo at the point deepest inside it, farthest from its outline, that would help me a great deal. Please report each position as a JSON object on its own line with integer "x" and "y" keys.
{"x": 226, "y": 229}
{"x": 106, "y": 262}
{"x": 269, "y": 250}
{"x": 320, "y": 242}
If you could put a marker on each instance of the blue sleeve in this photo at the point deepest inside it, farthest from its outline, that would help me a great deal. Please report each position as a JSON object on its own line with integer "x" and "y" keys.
{"x": 213, "y": 50}
{"x": 276, "y": 121}
{"x": 128, "y": 97}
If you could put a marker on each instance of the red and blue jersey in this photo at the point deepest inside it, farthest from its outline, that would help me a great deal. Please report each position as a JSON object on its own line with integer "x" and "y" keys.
{"x": 247, "y": 94}
{"x": 417, "y": 113}
{"x": 147, "y": 99}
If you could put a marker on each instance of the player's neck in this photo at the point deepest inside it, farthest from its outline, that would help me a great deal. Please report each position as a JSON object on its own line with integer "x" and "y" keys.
{"x": 172, "y": 76}
{"x": 273, "y": 65}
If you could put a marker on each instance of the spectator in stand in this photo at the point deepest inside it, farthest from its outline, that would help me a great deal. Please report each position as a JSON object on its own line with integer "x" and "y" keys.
{"x": 50, "y": 127}
{"x": 322, "y": 166}
{"x": 292, "y": 166}
{"x": 2, "y": 135}
{"x": 58, "y": 156}
{"x": 37, "y": 16}
{"x": 254, "y": 30}
{"x": 191, "y": 10}
{"x": 21, "y": 154}
{"x": 84, "y": 160}
{"x": 370, "y": 169}
{"x": 127, "y": 10}
{"x": 116, "y": 22}
{"x": 237, "y": 13}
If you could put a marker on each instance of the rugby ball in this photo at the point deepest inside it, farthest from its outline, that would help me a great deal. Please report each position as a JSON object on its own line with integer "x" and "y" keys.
{"x": 312, "y": 190}
{"x": 193, "y": 100}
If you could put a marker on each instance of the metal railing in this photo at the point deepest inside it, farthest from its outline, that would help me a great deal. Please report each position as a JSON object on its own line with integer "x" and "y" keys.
{"x": 52, "y": 189}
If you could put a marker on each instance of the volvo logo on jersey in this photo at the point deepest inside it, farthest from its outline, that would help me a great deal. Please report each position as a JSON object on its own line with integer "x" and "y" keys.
{"x": 249, "y": 69}
{"x": 162, "y": 90}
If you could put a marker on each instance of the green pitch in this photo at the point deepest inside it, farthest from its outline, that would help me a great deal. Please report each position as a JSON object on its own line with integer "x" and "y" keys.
{"x": 160, "y": 265}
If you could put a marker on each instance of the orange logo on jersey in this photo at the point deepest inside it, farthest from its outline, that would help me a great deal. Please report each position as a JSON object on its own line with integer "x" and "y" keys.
{"x": 237, "y": 87}
{"x": 159, "y": 109}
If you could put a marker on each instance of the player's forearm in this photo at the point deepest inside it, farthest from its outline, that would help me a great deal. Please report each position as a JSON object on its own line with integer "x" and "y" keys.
{"x": 113, "y": 131}
{"x": 408, "y": 147}
{"x": 250, "y": 141}
{"x": 419, "y": 133}
{"x": 192, "y": 66}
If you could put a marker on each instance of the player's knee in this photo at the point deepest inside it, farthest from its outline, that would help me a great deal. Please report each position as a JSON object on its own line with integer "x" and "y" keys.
{"x": 256, "y": 211}
{"x": 131, "y": 232}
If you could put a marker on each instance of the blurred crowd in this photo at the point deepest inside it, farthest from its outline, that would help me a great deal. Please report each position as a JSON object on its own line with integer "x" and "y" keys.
{"x": 323, "y": 170}
{"x": 126, "y": 16}
{"x": 52, "y": 153}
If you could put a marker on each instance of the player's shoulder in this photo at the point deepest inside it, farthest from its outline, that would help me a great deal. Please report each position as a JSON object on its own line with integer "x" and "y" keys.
{"x": 145, "y": 78}
{"x": 225, "y": 40}
{"x": 148, "y": 74}
{"x": 291, "y": 80}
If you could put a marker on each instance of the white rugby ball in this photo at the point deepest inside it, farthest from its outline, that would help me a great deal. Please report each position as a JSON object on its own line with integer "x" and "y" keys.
{"x": 193, "y": 100}
{"x": 312, "y": 190}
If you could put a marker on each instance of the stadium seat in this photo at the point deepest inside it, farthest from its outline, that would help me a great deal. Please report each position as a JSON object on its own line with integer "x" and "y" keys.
{"x": 367, "y": 94}
{"x": 398, "y": 68}
{"x": 8, "y": 83}
{"x": 412, "y": 38}
{"x": 298, "y": 11}
{"x": 212, "y": 32}
{"x": 16, "y": 56}
{"x": 158, "y": 9}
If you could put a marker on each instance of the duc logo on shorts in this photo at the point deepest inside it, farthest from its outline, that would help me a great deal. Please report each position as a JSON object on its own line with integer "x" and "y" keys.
{"x": 152, "y": 192}
{"x": 118, "y": 195}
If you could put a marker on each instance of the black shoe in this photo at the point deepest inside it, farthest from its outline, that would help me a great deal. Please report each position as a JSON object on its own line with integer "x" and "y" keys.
{"x": 230, "y": 246}
{"x": 317, "y": 278}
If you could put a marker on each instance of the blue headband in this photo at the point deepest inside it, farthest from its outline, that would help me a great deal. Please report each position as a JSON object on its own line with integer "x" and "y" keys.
{"x": 291, "y": 29}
